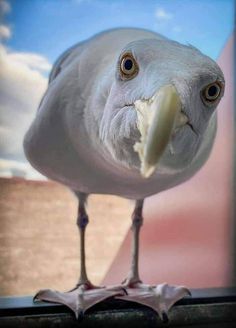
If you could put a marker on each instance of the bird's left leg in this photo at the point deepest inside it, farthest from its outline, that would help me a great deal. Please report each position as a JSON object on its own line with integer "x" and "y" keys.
{"x": 159, "y": 297}
{"x": 85, "y": 294}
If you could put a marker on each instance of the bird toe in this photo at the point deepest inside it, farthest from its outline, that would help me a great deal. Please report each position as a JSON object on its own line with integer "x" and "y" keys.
{"x": 164, "y": 317}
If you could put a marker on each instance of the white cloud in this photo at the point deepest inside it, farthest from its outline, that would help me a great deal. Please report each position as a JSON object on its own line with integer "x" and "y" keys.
{"x": 5, "y": 32}
{"x": 4, "y": 7}
{"x": 10, "y": 168}
{"x": 162, "y": 14}
{"x": 30, "y": 60}
{"x": 21, "y": 88}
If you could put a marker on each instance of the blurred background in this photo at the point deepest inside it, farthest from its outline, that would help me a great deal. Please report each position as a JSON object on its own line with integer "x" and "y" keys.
{"x": 188, "y": 231}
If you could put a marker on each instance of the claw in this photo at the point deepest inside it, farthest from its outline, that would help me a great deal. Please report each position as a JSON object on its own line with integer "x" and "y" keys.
{"x": 79, "y": 315}
{"x": 188, "y": 292}
{"x": 164, "y": 317}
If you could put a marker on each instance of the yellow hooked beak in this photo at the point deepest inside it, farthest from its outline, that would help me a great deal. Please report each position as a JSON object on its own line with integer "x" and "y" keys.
{"x": 157, "y": 117}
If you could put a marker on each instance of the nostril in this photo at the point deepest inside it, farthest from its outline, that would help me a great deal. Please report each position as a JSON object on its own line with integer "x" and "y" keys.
{"x": 193, "y": 128}
{"x": 181, "y": 120}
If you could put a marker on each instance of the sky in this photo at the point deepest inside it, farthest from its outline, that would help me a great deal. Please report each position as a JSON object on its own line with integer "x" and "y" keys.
{"x": 33, "y": 33}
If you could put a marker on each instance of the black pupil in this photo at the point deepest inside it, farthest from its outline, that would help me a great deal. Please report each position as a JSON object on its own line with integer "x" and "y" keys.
{"x": 212, "y": 91}
{"x": 128, "y": 64}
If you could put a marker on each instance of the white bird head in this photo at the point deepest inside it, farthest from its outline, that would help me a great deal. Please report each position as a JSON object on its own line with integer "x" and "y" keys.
{"x": 125, "y": 105}
{"x": 158, "y": 101}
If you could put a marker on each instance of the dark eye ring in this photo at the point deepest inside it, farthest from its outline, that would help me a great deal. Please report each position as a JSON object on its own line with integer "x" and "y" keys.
{"x": 128, "y": 66}
{"x": 212, "y": 92}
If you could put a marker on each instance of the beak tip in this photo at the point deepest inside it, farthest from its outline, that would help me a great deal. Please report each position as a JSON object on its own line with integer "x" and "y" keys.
{"x": 147, "y": 170}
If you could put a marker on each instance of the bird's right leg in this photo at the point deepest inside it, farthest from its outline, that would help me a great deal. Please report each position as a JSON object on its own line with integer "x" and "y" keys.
{"x": 82, "y": 222}
{"x": 85, "y": 294}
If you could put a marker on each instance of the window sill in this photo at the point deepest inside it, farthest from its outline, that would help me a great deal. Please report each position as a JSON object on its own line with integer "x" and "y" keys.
{"x": 215, "y": 307}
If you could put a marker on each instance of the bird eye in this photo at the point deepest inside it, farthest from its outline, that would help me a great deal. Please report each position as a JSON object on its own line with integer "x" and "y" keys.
{"x": 211, "y": 92}
{"x": 128, "y": 67}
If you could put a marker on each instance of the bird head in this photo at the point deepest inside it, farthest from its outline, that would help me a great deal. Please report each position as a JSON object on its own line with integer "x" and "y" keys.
{"x": 161, "y": 96}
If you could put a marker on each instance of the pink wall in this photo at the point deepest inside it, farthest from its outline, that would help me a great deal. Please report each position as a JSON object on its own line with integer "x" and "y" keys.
{"x": 185, "y": 237}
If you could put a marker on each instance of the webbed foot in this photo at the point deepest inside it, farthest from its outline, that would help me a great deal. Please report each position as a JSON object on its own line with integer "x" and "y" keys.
{"x": 79, "y": 299}
{"x": 160, "y": 298}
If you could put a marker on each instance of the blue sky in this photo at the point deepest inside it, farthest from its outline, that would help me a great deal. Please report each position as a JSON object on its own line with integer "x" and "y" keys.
{"x": 48, "y": 27}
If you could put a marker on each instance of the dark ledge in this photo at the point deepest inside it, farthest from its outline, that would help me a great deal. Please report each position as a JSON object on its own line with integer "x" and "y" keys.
{"x": 215, "y": 307}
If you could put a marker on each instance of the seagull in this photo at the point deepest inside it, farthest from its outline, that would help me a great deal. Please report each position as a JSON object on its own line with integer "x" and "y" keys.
{"x": 131, "y": 113}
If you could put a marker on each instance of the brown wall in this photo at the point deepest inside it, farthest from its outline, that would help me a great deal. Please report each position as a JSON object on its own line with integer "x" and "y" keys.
{"x": 39, "y": 245}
